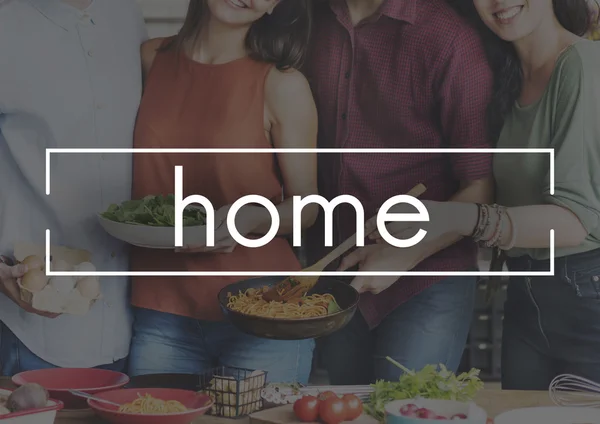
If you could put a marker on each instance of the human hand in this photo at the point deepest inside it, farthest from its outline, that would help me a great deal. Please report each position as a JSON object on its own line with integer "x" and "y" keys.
{"x": 444, "y": 218}
{"x": 9, "y": 287}
{"x": 247, "y": 220}
{"x": 377, "y": 258}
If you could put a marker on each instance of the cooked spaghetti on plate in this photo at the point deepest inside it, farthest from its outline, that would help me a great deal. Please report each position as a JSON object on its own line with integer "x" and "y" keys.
{"x": 251, "y": 302}
{"x": 149, "y": 405}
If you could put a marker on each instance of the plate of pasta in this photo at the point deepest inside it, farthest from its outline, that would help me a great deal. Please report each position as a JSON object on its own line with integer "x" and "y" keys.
{"x": 327, "y": 308}
{"x": 151, "y": 406}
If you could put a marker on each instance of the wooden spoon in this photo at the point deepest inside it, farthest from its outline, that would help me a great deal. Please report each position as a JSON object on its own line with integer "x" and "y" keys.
{"x": 296, "y": 287}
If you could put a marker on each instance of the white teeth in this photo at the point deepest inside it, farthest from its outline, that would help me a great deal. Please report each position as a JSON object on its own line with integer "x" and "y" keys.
{"x": 238, "y": 3}
{"x": 510, "y": 13}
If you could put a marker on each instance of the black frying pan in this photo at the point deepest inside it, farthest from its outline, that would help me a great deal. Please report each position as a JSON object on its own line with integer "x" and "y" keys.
{"x": 293, "y": 329}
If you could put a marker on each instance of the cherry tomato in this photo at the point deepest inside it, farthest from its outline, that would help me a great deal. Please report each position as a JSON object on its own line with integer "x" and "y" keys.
{"x": 327, "y": 395}
{"x": 307, "y": 408}
{"x": 332, "y": 410}
{"x": 354, "y": 407}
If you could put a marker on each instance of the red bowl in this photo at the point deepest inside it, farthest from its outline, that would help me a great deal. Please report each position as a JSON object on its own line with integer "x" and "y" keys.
{"x": 197, "y": 403}
{"x": 58, "y": 382}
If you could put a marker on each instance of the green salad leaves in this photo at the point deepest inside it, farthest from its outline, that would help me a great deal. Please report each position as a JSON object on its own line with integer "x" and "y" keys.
{"x": 430, "y": 383}
{"x": 157, "y": 211}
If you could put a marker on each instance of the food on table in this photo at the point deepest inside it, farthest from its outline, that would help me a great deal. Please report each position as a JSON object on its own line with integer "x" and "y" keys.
{"x": 328, "y": 408}
{"x": 58, "y": 294}
{"x": 233, "y": 398}
{"x": 413, "y": 411}
{"x": 251, "y": 302}
{"x": 157, "y": 211}
{"x": 430, "y": 383}
{"x": 281, "y": 394}
{"x": 326, "y": 395}
{"x": 27, "y": 397}
{"x": 307, "y": 408}
{"x": 150, "y": 405}
{"x": 354, "y": 406}
{"x": 332, "y": 410}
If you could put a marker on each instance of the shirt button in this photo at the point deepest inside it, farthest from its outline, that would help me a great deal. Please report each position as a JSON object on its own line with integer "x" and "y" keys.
{"x": 344, "y": 116}
{"x": 90, "y": 53}
{"x": 347, "y": 75}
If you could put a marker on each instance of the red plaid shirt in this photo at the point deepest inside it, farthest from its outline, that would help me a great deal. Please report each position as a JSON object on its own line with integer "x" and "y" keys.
{"x": 413, "y": 76}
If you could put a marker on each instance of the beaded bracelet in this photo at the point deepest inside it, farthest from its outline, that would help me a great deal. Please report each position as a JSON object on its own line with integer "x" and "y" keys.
{"x": 513, "y": 236}
{"x": 498, "y": 230}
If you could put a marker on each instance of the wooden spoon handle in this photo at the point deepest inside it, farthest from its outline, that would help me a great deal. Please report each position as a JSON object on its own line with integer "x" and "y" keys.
{"x": 350, "y": 242}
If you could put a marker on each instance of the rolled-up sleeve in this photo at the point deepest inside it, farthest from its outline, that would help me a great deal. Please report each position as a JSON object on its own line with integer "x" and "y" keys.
{"x": 576, "y": 143}
{"x": 466, "y": 85}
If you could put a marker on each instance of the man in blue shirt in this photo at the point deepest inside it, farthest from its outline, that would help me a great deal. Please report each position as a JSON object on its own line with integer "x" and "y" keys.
{"x": 70, "y": 77}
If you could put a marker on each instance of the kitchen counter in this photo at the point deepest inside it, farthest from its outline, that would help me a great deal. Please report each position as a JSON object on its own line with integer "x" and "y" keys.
{"x": 494, "y": 402}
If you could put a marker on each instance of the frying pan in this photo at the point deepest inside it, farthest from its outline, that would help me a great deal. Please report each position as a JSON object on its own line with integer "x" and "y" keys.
{"x": 293, "y": 329}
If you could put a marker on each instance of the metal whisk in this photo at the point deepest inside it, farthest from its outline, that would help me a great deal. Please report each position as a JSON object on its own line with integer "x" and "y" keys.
{"x": 574, "y": 391}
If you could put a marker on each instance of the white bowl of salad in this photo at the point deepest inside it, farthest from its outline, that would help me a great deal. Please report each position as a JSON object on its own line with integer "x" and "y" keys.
{"x": 150, "y": 223}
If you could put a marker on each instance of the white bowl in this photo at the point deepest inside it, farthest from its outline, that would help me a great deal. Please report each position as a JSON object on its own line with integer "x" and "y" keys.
{"x": 447, "y": 408}
{"x": 550, "y": 415}
{"x": 152, "y": 237}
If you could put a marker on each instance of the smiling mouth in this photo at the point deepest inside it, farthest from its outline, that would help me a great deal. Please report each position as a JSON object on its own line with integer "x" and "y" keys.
{"x": 238, "y": 3}
{"x": 506, "y": 16}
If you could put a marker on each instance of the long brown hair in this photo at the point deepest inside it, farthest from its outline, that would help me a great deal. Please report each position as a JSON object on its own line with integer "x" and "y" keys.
{"x": 280, "y": 38}
{"x": 574, "y": 15}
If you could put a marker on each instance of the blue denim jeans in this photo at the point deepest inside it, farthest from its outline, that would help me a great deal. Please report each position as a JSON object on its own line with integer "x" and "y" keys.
{"x": 552, "y": 324}
{"x": 431, "y": 328}
{"x": 15, "y": 357}
{"x": 167, "y": 343}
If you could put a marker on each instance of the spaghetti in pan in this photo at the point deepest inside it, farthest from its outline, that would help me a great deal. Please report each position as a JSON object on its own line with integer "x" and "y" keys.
{"x": 251, "y": 302}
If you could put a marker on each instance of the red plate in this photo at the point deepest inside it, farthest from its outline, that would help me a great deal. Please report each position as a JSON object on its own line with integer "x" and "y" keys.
{"x": 198, "y": 404}
{"x": 58, "y": 382}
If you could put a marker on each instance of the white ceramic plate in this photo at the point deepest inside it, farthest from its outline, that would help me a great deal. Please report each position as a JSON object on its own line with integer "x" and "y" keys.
{"x": 550, "y": 415}
{"x": 151, "y": 237}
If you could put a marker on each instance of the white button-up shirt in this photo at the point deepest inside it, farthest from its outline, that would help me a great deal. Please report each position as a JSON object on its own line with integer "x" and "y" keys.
{"x": 69, "y": 78}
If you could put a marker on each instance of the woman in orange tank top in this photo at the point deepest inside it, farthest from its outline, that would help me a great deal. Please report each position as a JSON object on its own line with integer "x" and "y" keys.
{"x": 227, "y": 80}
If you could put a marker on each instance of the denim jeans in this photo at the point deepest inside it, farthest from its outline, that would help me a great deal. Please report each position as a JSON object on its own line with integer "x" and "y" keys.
{"x": 431, "y": 328}
{"x": 15, "y": 357}
{"x": 552, "y": 324}
{"x": 167, "y": 343}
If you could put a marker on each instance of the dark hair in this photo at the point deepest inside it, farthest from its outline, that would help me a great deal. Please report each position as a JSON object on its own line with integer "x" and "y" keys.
{"x": 280, "y": 38}
{"x": 574, "y": 15}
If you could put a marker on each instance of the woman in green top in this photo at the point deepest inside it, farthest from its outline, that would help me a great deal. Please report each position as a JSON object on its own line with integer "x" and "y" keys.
{"x": 547, "y": 96}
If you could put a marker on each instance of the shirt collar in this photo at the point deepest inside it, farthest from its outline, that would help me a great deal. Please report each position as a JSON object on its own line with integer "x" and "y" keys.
{"x": 400, "y": 10}
{"x": 54, "y": 10}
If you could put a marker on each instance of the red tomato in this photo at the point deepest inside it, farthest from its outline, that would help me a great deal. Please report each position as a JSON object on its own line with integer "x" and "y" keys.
{"x": 354, "y": 407}
{"x": 327, "y": 395}
{"x": 332, "y": 410}
{"x": 307, "y": 408}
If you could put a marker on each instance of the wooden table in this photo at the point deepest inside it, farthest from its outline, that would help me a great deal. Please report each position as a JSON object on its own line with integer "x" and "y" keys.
{"x": 494, "y": 402}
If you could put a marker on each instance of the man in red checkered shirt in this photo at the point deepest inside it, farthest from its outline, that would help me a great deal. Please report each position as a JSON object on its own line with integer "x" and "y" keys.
{"x": 400, "y": 74}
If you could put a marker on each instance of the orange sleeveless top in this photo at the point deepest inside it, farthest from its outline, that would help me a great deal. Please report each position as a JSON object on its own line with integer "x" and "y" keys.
{"x": 187, "y": 104}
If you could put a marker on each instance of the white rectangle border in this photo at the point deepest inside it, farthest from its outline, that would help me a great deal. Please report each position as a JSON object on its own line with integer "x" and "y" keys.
{"x": 50, "y": 151}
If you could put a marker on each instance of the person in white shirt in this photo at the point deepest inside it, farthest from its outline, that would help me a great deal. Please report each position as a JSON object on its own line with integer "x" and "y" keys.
{"x": 70, "y": 77}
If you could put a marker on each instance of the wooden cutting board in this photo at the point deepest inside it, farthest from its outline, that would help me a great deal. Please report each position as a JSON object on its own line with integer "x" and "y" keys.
{"x": 494, "y": 402}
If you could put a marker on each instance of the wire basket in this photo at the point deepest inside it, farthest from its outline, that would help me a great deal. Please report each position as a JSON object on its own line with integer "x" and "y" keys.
{"x": 235, "y": 391}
